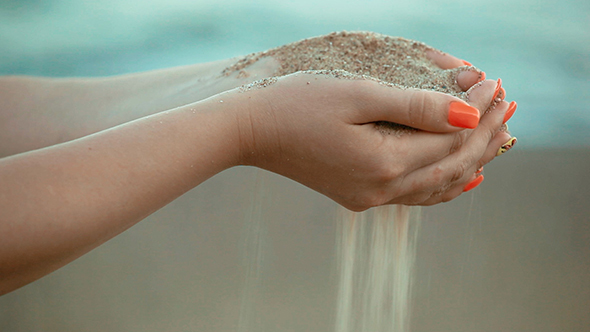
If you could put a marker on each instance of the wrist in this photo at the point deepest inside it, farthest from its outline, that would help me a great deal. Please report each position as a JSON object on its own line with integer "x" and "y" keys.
{"x": 214, "y": 125}
{"x": 256, "y": 129}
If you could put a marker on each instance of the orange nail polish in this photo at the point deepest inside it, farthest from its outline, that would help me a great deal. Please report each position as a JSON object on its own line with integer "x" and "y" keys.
{"x": 510, "y": 112}
{"x": 482, "y": 76}
{"x": 498, "y": 87}
{"x": 462, "y": 115}
{"x": 473, "y": 183}
{"x": 466, "y": 63}
{"x": 479, "y": 170}
{"x": 503, "y": 93}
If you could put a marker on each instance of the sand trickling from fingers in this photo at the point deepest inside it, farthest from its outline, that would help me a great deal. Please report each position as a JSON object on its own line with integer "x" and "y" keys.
{"x": 376, "y": 249}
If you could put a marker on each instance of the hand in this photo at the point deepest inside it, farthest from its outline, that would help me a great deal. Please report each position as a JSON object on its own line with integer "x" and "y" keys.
{"x": 321, "y": 131}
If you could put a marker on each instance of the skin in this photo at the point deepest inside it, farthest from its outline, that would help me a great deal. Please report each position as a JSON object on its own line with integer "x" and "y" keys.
{"x": 85, "y": 159}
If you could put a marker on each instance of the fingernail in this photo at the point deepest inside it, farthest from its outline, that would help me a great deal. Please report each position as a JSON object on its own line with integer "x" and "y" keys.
{"x": 507, "y": 146}
{"x": 510, "y": 112}
{"x": 473, "y": 183}
{"x": 503, "y": 93}
{"x": 498, "y": 87}
{"x": 463, "y": 115}
{"x": 479, "y": 170}
{"x": 482, "y": 76}
{"x": 467, "y": 63}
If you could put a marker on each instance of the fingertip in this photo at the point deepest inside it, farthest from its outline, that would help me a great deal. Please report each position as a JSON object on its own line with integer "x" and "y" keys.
{"x": 463, "y": 115}
{"x": 507, "y": 146}
{"x": 480, "y": 95}
{"x": 499, "y": 140}
{"x": 510, "y": 112}
{"x": 482, "y": 76}
{"x": 468, "y": 78}
{"x": 474, "y": 183}
{"x": 444, "y": 60}
{"x": 497, "y": 90}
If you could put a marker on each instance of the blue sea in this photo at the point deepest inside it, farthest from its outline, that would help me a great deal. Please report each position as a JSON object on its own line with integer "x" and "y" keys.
{"x": 540, "y": 49}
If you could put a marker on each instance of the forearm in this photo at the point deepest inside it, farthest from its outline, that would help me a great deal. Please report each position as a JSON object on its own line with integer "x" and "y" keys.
{"x": 60, "y": 202}
{"x": 39, "y": 112}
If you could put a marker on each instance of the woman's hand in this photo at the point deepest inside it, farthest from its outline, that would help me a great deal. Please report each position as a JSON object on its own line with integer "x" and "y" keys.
{"x": 321, "y": 131}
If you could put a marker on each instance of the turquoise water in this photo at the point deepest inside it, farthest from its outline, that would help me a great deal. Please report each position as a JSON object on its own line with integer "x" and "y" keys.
{"x": 540, "y": 49}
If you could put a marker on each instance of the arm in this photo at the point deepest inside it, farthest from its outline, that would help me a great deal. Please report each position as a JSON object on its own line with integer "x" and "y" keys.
{"x": 62, "y": 201}
{"x": 38, "y": 112}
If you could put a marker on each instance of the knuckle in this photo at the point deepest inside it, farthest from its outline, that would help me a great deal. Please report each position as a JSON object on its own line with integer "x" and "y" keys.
{"x": 422, "y": 107}
{"x": 458, "y": 140}
{"x": 458, "y": 172}
{"x": 442, "y": 190}
{"x": 490, "y": 133}
{"x": 361, "y": 89}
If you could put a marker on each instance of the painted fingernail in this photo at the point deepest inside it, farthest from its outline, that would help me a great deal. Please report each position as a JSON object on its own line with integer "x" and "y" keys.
{"x": 467, "y": 63}
{"x": 507, "y": 146}
{"x": 473, "y": 183}
{"x": 479, "y": 171}
{"x": 498, "y": 87}
{"x": 482, "y": 76}
{"x": 510, "y": 112}
{"x": 463, "y": 115}
{"x": 503, "y": 93}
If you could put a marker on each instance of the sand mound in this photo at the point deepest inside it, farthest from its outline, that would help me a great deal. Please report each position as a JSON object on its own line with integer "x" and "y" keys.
{"x": 398, "y": 61}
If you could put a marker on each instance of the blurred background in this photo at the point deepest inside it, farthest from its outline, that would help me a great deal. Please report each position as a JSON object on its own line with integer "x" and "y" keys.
{"x": 511, "y": 256}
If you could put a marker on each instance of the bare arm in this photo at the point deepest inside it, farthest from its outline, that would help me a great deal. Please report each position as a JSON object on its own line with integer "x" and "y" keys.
{"x": 62, "y": 201}
{"x": 38, "y": 112}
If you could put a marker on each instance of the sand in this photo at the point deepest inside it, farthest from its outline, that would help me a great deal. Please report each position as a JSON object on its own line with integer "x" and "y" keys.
{"x": 376, "y": 250}
{"x": 393, "y": 60}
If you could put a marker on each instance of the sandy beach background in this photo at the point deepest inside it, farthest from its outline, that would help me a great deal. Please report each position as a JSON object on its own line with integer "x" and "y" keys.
{"x": 513, "y": 255}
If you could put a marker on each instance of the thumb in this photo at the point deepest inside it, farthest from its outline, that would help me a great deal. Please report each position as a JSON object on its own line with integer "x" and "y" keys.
{"x": 426, "y": 110}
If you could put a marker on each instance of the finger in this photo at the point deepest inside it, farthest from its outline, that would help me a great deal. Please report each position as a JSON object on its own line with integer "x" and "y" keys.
{"x": 444, "y": 60}
{"x": 426, "y": 110}
{"x": 501, "y": 139}
{"x": 465, "y": 78}
{"x": 452, "y": 191}
{"x": 481, "y": 95}
{"x": 421, "y": 148}
{"x": 458, "y": 167}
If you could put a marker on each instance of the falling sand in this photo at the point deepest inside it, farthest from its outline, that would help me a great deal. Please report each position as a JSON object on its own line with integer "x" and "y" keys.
{"x": 376, "y": 248}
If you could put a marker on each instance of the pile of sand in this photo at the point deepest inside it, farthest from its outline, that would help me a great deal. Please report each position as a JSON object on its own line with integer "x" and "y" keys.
{"x": 394, "y": 60}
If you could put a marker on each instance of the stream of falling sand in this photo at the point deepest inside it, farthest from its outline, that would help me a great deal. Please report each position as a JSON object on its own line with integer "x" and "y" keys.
{"x": 376, "y": 252}
{"x": 376, "y": 249}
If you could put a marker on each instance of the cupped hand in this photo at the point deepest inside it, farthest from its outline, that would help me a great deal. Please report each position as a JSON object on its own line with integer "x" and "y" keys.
{"x": 326, "y": 133}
